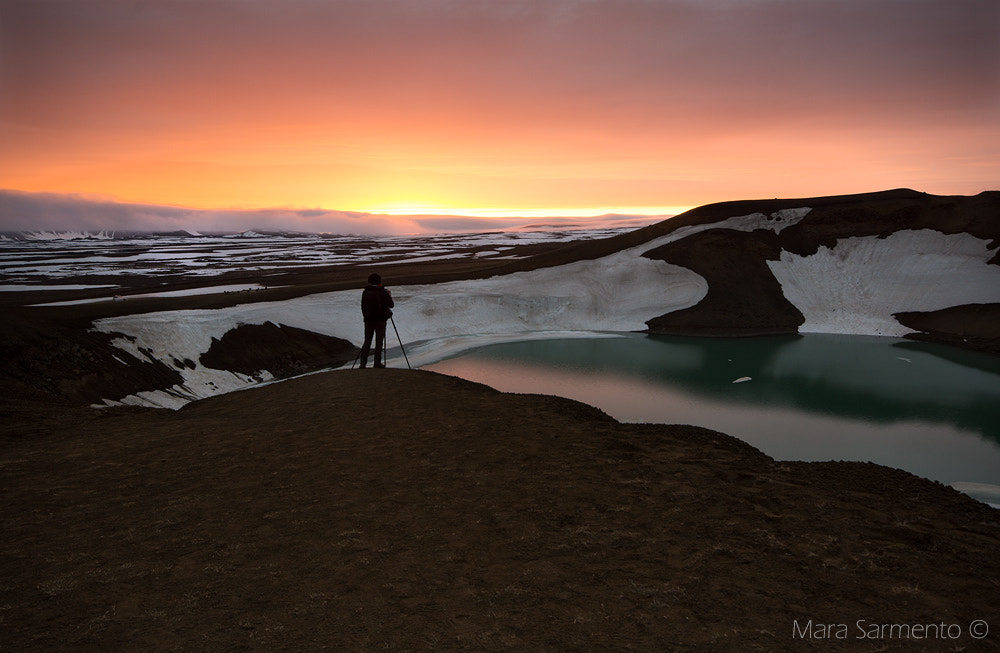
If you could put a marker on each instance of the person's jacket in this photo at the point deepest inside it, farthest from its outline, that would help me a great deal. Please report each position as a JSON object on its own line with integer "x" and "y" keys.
{"x": 375, "y": 304}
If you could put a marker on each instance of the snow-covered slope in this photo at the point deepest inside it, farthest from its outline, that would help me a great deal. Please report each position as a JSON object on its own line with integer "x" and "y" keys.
{"x": 831, "y": 277}
{"x": 850, "y": 266}
{"x": 860, "y": 283}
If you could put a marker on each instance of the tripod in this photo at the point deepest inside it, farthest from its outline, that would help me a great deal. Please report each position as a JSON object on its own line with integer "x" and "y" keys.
{"x": 401, "y": 348}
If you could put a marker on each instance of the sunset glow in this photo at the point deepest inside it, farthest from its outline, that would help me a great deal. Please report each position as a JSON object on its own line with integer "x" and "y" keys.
{"x": 539, "y": 107}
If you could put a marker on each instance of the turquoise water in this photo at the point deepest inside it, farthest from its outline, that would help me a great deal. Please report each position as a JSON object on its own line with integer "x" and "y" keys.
{"x": 928, "y": 409}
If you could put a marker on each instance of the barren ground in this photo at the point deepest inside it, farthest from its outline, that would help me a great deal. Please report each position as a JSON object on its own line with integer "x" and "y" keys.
{"x": 399, "y": 510}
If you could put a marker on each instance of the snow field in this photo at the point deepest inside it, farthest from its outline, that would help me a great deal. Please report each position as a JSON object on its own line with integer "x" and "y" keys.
{"x": 855, "y": 287}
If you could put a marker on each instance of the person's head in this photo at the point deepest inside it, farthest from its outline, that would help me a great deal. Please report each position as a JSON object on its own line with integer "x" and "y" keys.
{"x": 374, "y": 279}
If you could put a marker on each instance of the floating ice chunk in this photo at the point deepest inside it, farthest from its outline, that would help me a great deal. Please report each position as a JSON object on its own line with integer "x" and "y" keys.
{"x": 743, "y": 379}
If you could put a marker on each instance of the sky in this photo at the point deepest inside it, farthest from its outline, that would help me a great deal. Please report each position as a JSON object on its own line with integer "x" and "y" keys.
{"x": 200, "y": 113}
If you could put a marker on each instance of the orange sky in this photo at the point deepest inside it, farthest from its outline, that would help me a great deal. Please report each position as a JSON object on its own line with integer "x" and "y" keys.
{"x": 518, "y": 105}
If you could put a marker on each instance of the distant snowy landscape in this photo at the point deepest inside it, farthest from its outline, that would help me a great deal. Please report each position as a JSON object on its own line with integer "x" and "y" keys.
{"x": 36, "y": 260}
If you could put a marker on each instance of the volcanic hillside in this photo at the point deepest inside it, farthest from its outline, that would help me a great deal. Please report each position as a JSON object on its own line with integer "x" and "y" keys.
{"x": 853, "y": 264}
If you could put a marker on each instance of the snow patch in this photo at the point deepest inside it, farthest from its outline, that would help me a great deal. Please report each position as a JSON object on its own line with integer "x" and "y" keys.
{"x": 68, "y": 235}
{"x": 205, "y": 290}
{"x": 777, "y": 222}
{"x": 14, "y": 287}
{"x": 856, "y": 286}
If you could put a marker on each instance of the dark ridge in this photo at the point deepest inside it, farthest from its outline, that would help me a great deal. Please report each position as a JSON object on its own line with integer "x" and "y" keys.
{"x": 863, "y": 214}
{"x": 68, "y": 362}
{"x": 743, "y": 296}
{"x": 282, "y": 350}
{"x": 826, "y": 224}
{"x": 972, "y": 326}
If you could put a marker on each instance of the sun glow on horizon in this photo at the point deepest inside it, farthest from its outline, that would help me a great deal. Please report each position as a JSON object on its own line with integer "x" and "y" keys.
{"x": 405, "y": 209}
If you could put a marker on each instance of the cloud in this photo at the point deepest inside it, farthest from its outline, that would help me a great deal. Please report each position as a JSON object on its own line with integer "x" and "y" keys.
{"x": 20, "y": 211}
{"x": 164, "y": 61}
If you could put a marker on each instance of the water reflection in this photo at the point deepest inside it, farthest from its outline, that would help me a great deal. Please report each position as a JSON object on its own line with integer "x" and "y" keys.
{"x": 932, "y": 410}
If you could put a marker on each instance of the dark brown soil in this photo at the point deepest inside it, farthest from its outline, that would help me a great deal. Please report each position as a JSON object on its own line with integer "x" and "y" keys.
{"x": 278, "y": 348}
{"x": 743, "y": 295}
{"x": 395, "y": 510}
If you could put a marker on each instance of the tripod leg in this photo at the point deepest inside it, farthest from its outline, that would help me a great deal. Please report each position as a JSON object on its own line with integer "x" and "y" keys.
{"x": 403, "y": 349}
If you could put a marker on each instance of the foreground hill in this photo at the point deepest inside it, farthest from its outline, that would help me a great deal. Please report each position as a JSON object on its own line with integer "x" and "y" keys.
{"x": 451, "y": 517}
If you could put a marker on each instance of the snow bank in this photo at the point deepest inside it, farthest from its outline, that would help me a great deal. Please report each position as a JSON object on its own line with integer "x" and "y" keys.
{"x": 776, "y": 222}
{"x": 855, "y": 287}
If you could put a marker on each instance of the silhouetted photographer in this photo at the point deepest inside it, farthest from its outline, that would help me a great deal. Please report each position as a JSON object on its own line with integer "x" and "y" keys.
{"x": 376, "y": 305}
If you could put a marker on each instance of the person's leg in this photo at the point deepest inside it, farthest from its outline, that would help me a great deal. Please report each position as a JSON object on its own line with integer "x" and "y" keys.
{"x": 366, "y": 348}
{"x": 379, "y": 343}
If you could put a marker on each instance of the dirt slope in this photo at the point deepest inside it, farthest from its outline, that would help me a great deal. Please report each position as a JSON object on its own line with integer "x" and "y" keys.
{"x": 395, "y": 510}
